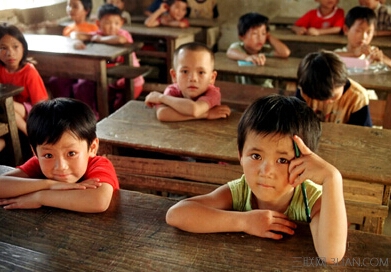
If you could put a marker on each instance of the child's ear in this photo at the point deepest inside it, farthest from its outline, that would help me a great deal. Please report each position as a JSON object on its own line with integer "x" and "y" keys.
{"x": 173, "y": 75}
{"x": 213, "y": 77}
{"x": 93, "y": 150}
{"x": 345, "y": 29}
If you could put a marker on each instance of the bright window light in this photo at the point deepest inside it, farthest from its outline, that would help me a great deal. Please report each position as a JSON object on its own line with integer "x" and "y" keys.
{"x": 25, "y": 4}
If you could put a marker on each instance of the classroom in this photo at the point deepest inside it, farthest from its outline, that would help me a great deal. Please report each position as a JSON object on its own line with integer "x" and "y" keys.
{"x": 172, "y": 179}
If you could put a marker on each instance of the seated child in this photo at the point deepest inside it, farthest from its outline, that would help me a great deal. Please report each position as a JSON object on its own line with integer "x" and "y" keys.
{"x": 193, "y": 94}
{"x": 255, "y": 44}
{"x": 267, "y": 199}
{"x": 206, "y": 9}
{"x": 65, "y": 171}
{"x": 15, "y": 69}
{"x": 121, "y": 5}
{"x": 110, "y": 32}
{"x": 383, "y": 24}
{"x": 325, "y": 87}
{"x": 359, "y": 28}
{"x": 82, "y": 89}
{"x": 326, "y": 19}
{"x": 170, "y": 13}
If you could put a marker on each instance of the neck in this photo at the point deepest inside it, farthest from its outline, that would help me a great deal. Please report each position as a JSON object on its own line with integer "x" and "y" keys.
{"x": 325, "y": 11}
{"x": 279, "y": 205}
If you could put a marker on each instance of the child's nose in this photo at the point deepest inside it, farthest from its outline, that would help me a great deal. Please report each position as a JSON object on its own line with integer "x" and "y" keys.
{"x": 266, "y": 167}
{"x": 61, "y": 164}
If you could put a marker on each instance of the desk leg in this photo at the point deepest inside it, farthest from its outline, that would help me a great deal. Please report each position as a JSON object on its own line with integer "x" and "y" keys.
{"x": 170, "y": 42}
{"x": 13, "y": 130}
{"x": 387, "y": 113}
{"x": 101, "y": 91}
{"x": 129, "y": 87}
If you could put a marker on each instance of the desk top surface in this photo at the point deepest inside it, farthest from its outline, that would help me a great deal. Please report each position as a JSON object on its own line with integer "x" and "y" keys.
{"x": 8, "y": 90}
{"x": 286, "y": 34}
{"x": 61, "y": 45}
{"x": 279, "y": 68}
{"x": 161, "y": 31}
{"x": 193, "y": 22}
{"x": 132, "y": 236}
{"x": 358, "y": 152}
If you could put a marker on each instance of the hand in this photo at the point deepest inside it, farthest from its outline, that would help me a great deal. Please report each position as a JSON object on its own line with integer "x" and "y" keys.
{"x": 375, "y": 55}
{"x": 220, "y": 111}
{"x": 153, "y": 99}
{"x": 85, "y": 184}
{"x": 310, "y": 166}
{"x": 164, "y": 7}
{"x": 264, "y": 223}
{"x": 79, "y": 45}
{"x": 300, "y": 30}
{"x": 258, "y": 59}
{"x": 28, "y": 201}
{"x": 313, "y": 31}
{"x": 96, "y": 38}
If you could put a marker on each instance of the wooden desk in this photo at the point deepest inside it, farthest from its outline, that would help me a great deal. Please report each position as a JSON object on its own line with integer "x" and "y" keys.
{"x": 283, "y": 21}
{"x": 301, "y": 45}
{"x": 132, "y": 236}
{"x": 361, "y": 154}
{"x": 172, "y": 37}
{"x": 275, "y": 68}
{"x": 57, "y": 57}
{"x": 7, "y": 92}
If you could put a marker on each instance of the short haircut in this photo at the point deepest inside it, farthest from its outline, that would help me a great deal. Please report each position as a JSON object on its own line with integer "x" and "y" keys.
{"x": 280, "y": 115}
{"x": 192, "y": 46}
{"x": 87, "y": 4}
{"x": 49, "y": 119}
{"x": 13, "y": 31}
{"x": 360, "y": 13}
{"x": 171, "y": 2}
{"x": 108, "y": 9}
{"x": 321, "y": 72}
{"x": 250, "y": 20}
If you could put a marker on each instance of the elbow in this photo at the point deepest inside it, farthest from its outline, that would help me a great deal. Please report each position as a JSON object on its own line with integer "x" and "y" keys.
{"x": 171, "y": 218}
{"x": 332, "y": 255}
{"x": 286, "y": 53}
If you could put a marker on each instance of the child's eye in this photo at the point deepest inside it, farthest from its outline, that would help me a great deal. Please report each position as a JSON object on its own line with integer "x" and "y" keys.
{"x": 72, "y": 154}
{"x": 282, "y": 161}
{"x": 184, "y": 71}
{"x": 48, "y": 156}
{"x": 256, "y": 156}
{"x": 202, "y": 72}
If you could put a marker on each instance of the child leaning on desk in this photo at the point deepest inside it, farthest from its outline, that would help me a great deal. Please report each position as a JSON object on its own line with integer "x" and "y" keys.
{"x": 15, "y": 69}
{"x": 193, "y": 94}
{"x": 121, "y": 5}
{"x": 267, "y": 199}
{"x": 170, "y": 13}
{"x": 359, "y": 28}
{"x": 326, "y": 19}
{"x": 325, "y": 87}
{"x": 65, "y": 171}
{"x": 255, "y": 44}
{"x": 110, "y": 32}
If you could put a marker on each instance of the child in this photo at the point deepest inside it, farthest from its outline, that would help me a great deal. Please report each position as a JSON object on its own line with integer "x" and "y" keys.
{"x": 65, "y": 171}
{"x": 16, "y": 70}
{"x": 193, "y": 94}
{"x": 359, "y": 28}
{"x": 79, "y": 11}
{"x": 82, "y": 89}
{"x": 121, "y": 5}
{"x": 170, "y": 13}
{"x": 255, "y": 44}
{"x": 326, "y": 19}
{"x": 325, "y": 87}
{"x": 383, "y": 25}
{"x": 110, "y": 32}
{"x": 267, "y": 199}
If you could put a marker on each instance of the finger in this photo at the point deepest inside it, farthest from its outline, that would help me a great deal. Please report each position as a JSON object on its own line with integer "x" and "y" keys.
{"x": 301, "y": 145}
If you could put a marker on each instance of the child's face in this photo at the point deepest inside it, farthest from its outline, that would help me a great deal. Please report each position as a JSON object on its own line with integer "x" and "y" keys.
{"x": 193, "y": 72}
{"x": 118, "y": 3}
{"x": 110, "y": 24}
{"x": 11, "y": 52}
{"x": 372, "y": 4}
{"x": 76, "y": 11}
{"x": 178, "y": 10}
{"x": 254, "y": 39}
{"x": 66, "y": 160}
{"x": 360, "y": 33}
{"x": 327, "y": 3}
{"x": 265, "y": 161}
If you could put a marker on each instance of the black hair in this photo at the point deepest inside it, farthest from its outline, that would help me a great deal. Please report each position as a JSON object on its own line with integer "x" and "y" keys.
{"x": 11, "y": 30}
{"x": 319, "y": 73}
{"x": 360, "y": 13}
{"x": 280, "y": 115}
{"x": 192, "y": 46}
{"x": 87, "y": 4}
{"x": 250, "y": 20}
{"x": 108, "y": 9}
{"x": 171, "y": 2}
{"x": 49, "y": 119}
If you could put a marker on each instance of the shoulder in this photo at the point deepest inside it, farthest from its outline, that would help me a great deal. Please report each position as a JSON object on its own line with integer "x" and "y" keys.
{"x": 173, "y": 90}
{"x": 358, "y": 90}
{"x": 102, "y": 168}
